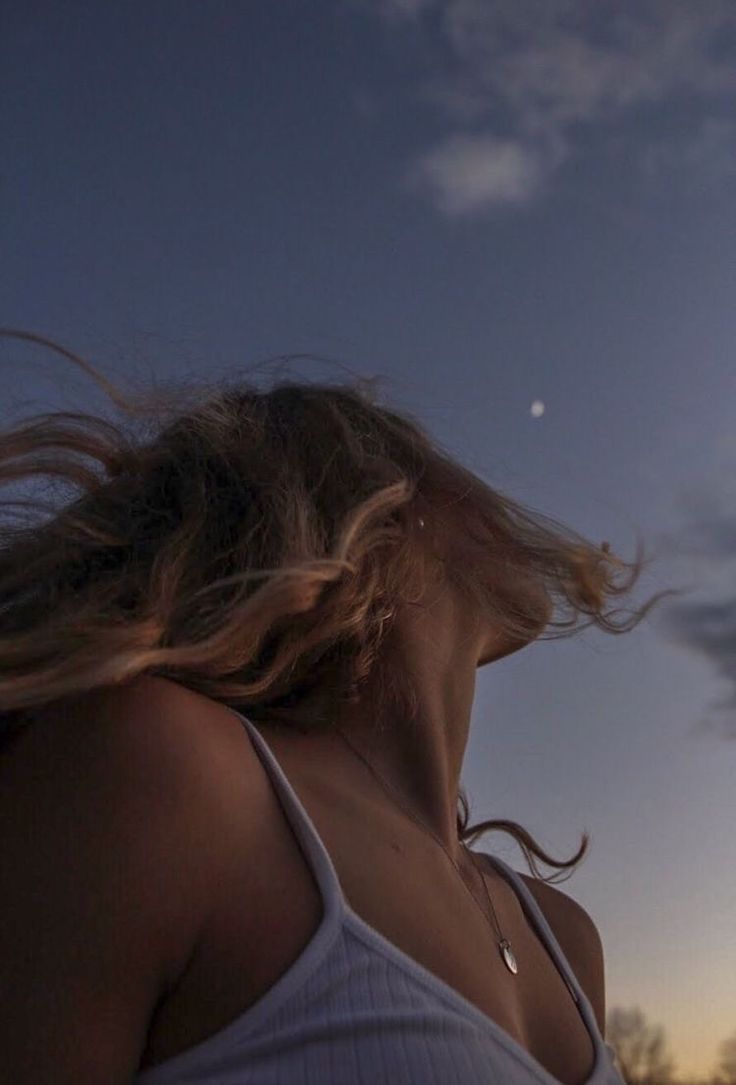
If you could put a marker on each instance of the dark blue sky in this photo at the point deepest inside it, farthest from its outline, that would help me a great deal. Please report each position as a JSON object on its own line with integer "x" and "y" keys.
{"x": 492, "y": 205}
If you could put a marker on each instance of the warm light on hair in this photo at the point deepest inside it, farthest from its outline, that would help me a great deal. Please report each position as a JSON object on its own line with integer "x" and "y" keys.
{"x": 251, "y": 544}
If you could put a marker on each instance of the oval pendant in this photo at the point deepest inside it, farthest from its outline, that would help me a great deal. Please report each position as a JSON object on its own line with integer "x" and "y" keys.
{"x": 508, "y": 956}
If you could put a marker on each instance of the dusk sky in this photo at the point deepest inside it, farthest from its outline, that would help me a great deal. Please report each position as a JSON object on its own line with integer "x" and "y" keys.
{"x": 523, "y": 215}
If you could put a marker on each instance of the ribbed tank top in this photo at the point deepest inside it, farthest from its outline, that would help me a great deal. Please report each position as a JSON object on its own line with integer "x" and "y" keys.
{"x": 354, "y": 1009}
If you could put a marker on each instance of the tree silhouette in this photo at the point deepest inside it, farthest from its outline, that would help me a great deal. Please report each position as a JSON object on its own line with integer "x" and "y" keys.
{"x": 640, "y": 1048}
{"x": 726, "y": 1070}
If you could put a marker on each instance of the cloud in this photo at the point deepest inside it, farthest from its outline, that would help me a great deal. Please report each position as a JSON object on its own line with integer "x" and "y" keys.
{"x": 534, "y": 75}
{"x": 707, "y": 628}
{"x": 553, "y": 62}
{"x": 466, "y": 173}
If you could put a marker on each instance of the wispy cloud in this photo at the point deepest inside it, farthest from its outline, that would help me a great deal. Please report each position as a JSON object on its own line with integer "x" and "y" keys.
{"x": 465, "y": 172}
{"x": 535, "y": 77}
{"x": 706, "y": 628}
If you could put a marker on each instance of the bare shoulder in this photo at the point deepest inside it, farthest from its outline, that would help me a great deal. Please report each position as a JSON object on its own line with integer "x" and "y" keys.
{"x": 159, "y": 761}
{"x": 153, "y": 721}
{"x": 123, "y": 805}
{"x": 560, "y": 909}
{"x": 579, "y": 938}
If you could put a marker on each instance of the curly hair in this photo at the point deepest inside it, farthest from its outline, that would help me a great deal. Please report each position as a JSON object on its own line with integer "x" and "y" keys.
{"x": 252, "y": 544}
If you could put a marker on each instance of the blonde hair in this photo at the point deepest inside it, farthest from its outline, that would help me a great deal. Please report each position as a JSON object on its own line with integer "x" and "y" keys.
{"x": 252, "y": 545}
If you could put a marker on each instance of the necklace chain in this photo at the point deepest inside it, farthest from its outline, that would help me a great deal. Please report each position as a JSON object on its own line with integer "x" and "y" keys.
{"x": 504, "y": 945}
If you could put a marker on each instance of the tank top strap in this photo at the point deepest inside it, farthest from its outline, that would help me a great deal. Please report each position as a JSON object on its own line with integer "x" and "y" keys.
{"x": 545, "y": 932}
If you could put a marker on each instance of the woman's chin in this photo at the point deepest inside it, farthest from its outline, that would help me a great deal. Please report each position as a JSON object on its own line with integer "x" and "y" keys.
{"x": 500, "y": 651}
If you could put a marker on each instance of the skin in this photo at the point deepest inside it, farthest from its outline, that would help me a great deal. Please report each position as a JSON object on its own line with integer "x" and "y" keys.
{"x": 443, "y": 642}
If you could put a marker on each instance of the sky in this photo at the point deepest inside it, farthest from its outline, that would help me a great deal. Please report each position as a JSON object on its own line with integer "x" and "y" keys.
{"x": 522, "y": 216}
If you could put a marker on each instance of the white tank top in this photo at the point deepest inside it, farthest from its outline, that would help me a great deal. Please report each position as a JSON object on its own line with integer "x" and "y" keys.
{"x": 354, "y": 1009}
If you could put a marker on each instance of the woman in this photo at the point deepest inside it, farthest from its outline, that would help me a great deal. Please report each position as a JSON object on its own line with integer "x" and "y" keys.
{"x": 236, "y": 682}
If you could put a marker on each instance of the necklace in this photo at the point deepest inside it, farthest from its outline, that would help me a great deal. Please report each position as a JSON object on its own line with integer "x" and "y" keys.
{"x": 504, "y": 945}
